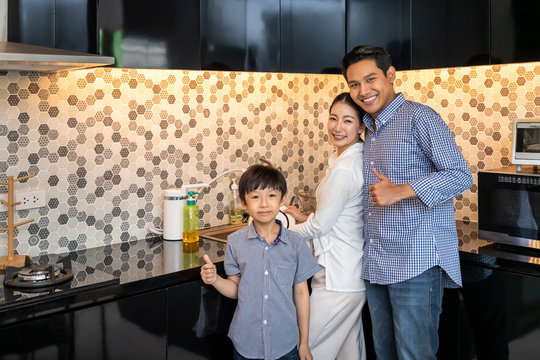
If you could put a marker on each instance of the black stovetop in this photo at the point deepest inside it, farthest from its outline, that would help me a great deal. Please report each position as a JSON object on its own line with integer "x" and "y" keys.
{"x": 107, "y": 265}
{"x": 83, "y": 275}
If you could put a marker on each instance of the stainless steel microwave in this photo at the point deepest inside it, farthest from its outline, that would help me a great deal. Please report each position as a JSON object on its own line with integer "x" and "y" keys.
{"x": 509, "y": 206}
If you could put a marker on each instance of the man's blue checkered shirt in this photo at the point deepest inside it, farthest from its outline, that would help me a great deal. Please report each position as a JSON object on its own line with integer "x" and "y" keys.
{"x": 412, "y": 145}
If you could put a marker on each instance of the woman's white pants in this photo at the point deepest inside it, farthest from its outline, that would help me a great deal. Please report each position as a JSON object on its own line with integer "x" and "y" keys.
{"x": 335, "y": 327}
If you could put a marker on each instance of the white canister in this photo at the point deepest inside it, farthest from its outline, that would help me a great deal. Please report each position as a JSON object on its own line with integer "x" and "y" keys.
{"x": 174, "y": 201}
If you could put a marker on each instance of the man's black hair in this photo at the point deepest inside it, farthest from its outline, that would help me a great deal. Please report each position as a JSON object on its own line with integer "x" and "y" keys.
{"x": 381, "y": 56}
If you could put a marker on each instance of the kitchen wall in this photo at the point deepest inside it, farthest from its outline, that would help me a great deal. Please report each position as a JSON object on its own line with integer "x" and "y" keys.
{"x": 105, "y": 142}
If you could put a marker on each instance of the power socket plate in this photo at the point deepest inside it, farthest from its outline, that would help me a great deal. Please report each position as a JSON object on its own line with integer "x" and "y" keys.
{"x": 30, "y": 200}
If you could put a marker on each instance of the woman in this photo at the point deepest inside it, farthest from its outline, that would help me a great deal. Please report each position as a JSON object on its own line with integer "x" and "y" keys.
{"x": 336, "y": 228}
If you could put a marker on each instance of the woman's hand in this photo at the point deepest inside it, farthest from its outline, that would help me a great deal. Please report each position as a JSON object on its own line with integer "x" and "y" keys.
{"x": 295, "y": 213}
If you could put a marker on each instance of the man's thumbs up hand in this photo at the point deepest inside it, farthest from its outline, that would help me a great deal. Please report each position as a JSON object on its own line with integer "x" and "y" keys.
{"x": 385, "y": 192}
{"x": 379, "y": 176}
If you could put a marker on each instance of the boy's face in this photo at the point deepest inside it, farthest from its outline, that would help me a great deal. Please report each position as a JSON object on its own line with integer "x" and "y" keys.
{"x": 263, "y": 205}
{"x": 369, "y": 87}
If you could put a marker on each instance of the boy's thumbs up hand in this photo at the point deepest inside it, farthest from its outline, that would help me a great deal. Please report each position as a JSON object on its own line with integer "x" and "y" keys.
{"x": 207, "y": 260}
{"x": 208, "y": 271}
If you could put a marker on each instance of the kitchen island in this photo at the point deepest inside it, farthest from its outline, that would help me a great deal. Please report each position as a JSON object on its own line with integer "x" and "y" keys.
{"x": 126, "y": 301}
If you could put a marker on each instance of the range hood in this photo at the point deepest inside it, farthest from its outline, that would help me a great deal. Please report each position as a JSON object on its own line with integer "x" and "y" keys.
{"x": 23, "y": 57}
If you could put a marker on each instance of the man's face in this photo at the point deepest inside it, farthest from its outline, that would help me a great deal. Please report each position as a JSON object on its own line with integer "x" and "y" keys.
{"x": 369, "y": 87}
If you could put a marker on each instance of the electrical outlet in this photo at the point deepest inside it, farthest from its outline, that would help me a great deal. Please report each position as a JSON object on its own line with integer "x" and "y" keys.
{"x": 30, "y": 200}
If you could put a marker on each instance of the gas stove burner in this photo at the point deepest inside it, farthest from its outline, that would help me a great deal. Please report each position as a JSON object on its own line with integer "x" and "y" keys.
{"x": 36, "y": 272}
{"x": 38, "y": 275}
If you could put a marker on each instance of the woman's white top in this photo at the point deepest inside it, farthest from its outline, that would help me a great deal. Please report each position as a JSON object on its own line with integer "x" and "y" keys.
{"x": 337, "y": 225}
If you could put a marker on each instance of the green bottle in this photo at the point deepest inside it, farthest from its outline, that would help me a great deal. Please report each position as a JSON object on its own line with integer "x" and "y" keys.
{"x": 191, "y": 220}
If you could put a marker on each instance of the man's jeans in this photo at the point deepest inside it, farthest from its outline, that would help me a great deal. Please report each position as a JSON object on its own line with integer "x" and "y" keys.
{"x": 405, "y": 316}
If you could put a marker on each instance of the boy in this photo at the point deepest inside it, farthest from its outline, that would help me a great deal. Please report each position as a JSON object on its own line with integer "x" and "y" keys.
{"x": 267, "y": 267}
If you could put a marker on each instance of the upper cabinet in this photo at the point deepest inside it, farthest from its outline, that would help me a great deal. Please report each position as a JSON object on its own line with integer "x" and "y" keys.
{"x": 305, "y": 36}
{"x": 313, "y": 35}
{"x": 515, "y": 35}
{"x": 449, "y": 33}
{"x": 240, "y": 35}
{"x": 385, "y": 23}
{"x": 62, "y": 24}
{"x": 163, "y": 34}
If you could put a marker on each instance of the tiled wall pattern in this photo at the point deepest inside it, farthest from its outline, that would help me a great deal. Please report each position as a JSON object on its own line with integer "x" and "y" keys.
{"x": 104, "y": 143}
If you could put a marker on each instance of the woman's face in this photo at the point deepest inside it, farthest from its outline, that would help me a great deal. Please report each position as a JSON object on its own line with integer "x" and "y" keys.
{"x": 344, "y": 126}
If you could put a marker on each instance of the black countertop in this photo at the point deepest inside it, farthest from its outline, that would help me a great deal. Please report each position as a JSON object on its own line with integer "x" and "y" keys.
{"x": 120, "y": 270}
{"x": 481, "y": 253}
{"x": 106, "y": 273}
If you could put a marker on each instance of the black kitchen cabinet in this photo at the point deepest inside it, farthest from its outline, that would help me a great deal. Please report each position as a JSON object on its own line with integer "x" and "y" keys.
{"x": 185, "y": 321}
{"x": 384, "y": 23}
{"x": 496, "y": 315}
{"x": 164, "y": 34}
{"x": 312, "y": 35}
{"x": 61, "y": 24}
{"x": 306, "y": 36}
{"x": 514, "y": 31}
{"x": 449, "y": 33}
{"x": 129, "y": 328}
{"x": 199, "y": 319}
{"x": 240, "y": 35}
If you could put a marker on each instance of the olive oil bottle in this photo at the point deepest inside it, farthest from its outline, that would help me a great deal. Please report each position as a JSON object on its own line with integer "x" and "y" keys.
{"x": 236, "y": 213}
{"x": 191, "y": 220}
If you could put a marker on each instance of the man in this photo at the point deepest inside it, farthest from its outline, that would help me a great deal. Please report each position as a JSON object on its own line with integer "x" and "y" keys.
{"x": 412, "y": 170}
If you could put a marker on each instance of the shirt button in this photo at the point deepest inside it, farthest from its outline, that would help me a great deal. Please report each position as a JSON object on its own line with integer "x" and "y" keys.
{"x": 370, "y": 240}
{"x": 264, "y": 322}
{"x": 265, "y": 297}
{"x": 369, "y": 214}
{"x": 266, "y": 273}
{"x": 266, "y": 248}
{"x": 371, "y": 162}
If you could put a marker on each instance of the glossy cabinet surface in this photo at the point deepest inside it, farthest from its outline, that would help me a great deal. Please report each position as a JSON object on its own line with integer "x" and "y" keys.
{"x": 312, "y": 35}
{"x": 130, "y": 328}
{"x": 240, "y": 35}
{"x": 515, "y": 35}
{"x": 448, "y": 33}
{"x": 198, "y": 322}
{"x": 31, "y": 22}
{"x": 496, "y": 315}
{"x": 385, "y": 23}
{"x": 62, "y": 24}
{"x": 306, "y": 36}
{"x": 163, "y": 34}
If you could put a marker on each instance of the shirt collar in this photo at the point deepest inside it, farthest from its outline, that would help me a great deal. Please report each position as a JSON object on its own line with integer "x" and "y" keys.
{"x": 281, "y": 236}
{"x": 334, "y": 158}
{"x": 386, "y": 114}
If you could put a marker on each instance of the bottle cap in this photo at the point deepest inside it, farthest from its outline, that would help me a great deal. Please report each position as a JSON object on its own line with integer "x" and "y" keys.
{"x": 191, "y": 197}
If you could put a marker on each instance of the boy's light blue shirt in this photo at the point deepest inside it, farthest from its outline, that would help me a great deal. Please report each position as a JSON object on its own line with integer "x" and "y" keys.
{"x": 264, "y": 325}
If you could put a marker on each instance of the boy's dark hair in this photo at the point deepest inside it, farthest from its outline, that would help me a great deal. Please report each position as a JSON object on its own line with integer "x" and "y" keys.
{"x": 261, "y": 177}
{"x": 381, "y": 56}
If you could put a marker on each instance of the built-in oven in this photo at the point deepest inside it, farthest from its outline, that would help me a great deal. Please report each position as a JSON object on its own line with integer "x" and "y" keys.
{"x": 509, "y": 206}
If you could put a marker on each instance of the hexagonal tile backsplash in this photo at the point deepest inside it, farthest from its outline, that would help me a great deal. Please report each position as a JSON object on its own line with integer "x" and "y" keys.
{"x": 105, "y": 142}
